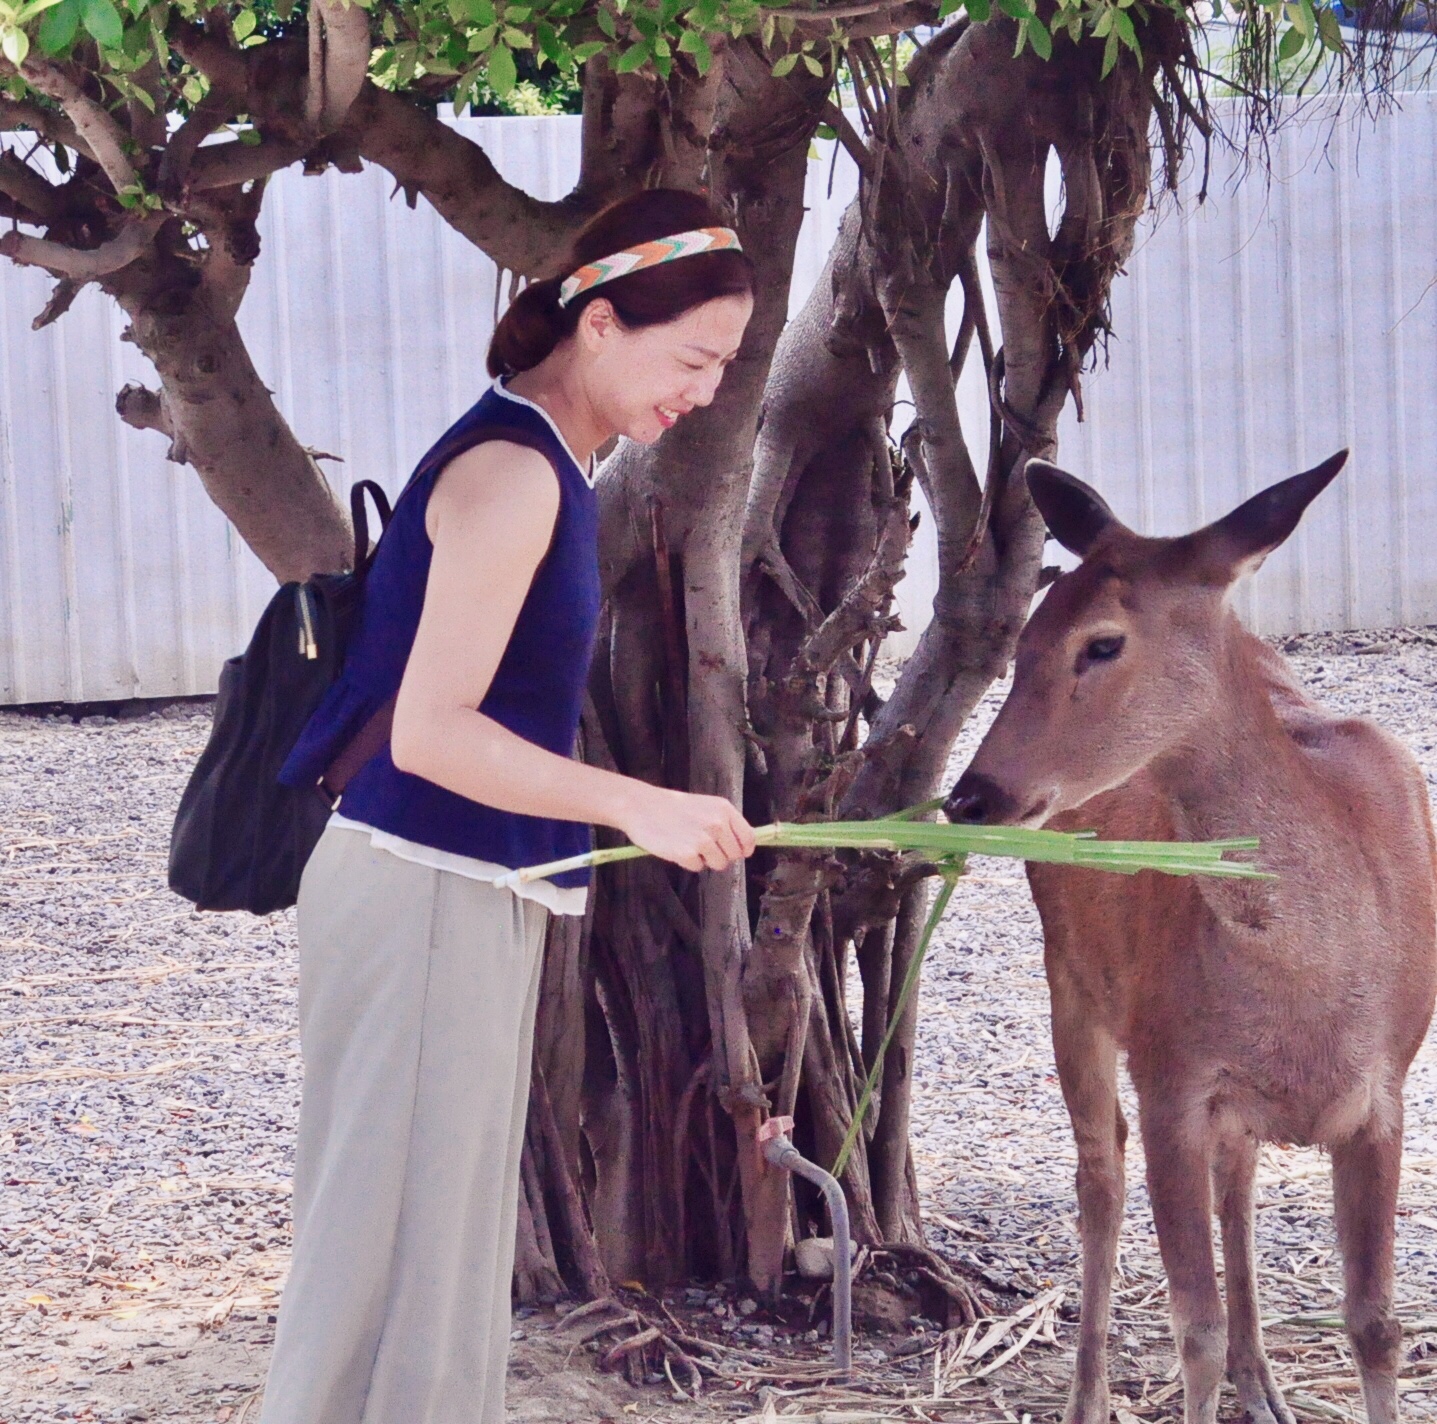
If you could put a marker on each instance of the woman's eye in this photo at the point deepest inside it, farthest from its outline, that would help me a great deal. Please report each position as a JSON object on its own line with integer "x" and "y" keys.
{"x": 1104, "y": 650}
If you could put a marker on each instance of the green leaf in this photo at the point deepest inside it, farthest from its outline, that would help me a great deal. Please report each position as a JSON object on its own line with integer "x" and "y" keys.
{"x": 1110, "y": 53}
{"x": 482, "y": 40}
{"x": 26, "y": 13}
{"x": 15, "y": 46}
{"x": 1292, "y": 43}
{"x": 244, "y": 24}
{"x": 635, "y": 57}
{"x": 585, "y": 52}
{"x": 549, "y": 44}
{"x": 1123, "y": 24}
{"x": 1016, "y": 9}
{"x": 517, "y": 14}
{"x": 1039, "y": 38}
{"x": 517, "y": 39}
{"x": 250, "y": 137}
{"x": 813, "y": 66}
{"x": 826, "y": 131}
{"x": 785, "y": 65}
{"x": 606, "y": 24}
{"x": 978, "y": 11}
{"x": 103, "y": 22}
{"x": 502, "y": 72}
{"x": 481, "y": 12}
{"x": 1330, "y": 31}
{"x": 58, "y": 28}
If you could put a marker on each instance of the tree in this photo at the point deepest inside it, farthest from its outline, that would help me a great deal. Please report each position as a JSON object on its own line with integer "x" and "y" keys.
{"x": 749, "y": 558}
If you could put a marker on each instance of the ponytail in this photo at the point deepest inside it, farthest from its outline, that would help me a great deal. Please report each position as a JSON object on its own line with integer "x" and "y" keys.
{"x": 532, "y": 327}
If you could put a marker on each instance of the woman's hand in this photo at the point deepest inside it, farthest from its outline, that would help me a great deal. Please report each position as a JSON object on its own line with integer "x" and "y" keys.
{"x": 696, "y": 832}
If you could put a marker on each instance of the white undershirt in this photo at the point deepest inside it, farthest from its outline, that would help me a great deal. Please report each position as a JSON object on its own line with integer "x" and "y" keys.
{"x": 557, "y": 899}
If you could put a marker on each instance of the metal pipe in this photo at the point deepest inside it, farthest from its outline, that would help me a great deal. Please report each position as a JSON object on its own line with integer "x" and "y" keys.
{"x": 782, "y": 1153}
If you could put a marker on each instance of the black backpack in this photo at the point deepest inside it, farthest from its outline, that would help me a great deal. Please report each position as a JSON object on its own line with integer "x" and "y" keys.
{"x": 240, "y": 839}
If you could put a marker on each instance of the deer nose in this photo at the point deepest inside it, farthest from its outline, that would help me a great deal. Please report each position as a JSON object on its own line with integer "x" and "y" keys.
{"x": 978, "y": 800}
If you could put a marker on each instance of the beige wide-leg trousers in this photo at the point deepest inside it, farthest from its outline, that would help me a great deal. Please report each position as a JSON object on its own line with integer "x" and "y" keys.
{"x": 417, "y": 990}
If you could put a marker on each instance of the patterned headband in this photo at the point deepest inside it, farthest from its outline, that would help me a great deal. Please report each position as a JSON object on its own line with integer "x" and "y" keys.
{"x": 647, "y": 254}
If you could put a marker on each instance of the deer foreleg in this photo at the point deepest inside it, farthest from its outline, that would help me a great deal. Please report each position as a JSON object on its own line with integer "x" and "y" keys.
{"x": 1233, "y": 1170}
{"x": 1088, "y": 1071}
{"x": 1365, "y": 1172}
{"x": 1179, "y": 1155}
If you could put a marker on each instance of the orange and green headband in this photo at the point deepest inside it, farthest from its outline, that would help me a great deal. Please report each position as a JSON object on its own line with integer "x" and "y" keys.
{"x": 647, "y": 254}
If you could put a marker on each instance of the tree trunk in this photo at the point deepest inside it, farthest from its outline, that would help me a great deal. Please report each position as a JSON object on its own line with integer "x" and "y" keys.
{"x": 220, "y": 417}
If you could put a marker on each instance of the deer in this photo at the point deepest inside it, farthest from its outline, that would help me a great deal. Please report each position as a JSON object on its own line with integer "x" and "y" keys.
{"x": 1276, "y": 1010}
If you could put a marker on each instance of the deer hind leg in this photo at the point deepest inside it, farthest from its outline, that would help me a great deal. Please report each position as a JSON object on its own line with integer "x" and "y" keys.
{"x": 1234, "y": 1167}
{"x": 1179, "y": 1155}
{"x": 1365, "y": 1171}
{"x": 1088, "y": 1071}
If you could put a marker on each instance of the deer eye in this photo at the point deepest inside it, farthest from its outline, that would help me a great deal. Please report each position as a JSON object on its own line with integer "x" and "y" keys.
{"x": 1104, "y": 650}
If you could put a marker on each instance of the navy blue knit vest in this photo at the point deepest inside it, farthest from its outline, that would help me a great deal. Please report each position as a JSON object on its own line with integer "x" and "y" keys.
{"x": 538, "y": 687}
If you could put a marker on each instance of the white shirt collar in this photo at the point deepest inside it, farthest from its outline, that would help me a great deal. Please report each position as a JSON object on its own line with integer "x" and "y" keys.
{"x": 588, "y": 473}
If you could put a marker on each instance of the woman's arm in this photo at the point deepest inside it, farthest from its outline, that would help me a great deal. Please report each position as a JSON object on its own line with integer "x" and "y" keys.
{"x": 491, "y": 517}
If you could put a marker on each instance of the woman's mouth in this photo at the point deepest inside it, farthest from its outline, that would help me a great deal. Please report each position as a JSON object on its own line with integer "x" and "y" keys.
{"x": 667, "y": 415}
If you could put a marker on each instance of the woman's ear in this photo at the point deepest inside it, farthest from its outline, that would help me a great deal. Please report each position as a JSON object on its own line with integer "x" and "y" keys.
{"x": 598, "y": 323}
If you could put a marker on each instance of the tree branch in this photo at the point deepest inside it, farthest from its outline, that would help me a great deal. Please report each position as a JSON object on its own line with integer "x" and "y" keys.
{"x": 460, "y": 182}
{"x": 224, "y": 165}
{"x": 24, "y": 186}
{"x": 338, "y": 61}
{"x": 18, "y": 114}
{"x": 919, "y": 13}
{"x": 143, "y": 409}
{"x": 849, "y": 137}
{"x": 81, "y": 265}
{"x": 61, "y": 299}
{"x": 108, "y": 142}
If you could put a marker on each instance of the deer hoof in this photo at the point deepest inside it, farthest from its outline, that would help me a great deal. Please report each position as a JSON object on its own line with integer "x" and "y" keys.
{"x": 1088, "y": 1406}
{"x": 1259, "y": 1397}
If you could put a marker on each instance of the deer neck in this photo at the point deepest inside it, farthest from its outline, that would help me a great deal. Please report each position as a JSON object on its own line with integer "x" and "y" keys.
{"x": 1234, "y": 770}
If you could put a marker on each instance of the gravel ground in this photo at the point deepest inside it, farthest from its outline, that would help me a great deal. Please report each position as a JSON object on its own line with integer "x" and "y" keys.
{"x": 151, "y": 1080}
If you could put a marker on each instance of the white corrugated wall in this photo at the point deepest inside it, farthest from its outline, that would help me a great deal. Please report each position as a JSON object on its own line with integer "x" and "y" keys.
{"x": 1254, "y": 335}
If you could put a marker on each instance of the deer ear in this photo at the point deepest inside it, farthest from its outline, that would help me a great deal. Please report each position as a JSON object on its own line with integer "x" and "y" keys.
{"x": 1075, "y": 513}
{"x": 1239, "y": 542}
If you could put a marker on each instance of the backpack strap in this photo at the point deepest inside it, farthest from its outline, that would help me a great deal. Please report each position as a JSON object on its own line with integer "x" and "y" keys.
{"x": 359, "y": 519}
{"x": 368, "y": 741}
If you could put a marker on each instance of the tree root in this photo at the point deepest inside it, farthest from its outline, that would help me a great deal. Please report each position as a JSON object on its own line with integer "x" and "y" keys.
{"x": 964, "y": 1302}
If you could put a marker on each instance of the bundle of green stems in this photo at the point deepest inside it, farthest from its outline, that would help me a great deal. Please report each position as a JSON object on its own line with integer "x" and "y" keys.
{"x": 942, "y": 841}
{"x": 948, "y": 846}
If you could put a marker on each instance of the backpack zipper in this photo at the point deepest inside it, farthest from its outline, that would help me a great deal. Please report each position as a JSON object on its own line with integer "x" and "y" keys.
{"x": 308, "y": 645}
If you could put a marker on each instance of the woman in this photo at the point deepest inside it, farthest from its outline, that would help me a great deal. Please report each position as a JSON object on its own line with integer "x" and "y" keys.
{"x": 418, "y": 975}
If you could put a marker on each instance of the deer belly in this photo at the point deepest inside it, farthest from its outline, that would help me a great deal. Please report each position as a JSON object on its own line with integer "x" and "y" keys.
{"x": 1307, "y": 1106}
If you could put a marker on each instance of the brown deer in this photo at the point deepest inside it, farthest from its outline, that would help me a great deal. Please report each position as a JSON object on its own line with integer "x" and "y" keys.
{"x": 1279, "y": 1010}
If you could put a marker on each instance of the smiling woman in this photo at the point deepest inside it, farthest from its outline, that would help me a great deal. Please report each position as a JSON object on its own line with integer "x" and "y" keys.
{"x": 419, "y": 970}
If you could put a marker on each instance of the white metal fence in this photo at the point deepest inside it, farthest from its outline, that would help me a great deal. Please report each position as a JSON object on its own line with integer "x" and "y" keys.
{"x": 1254, "y": 336}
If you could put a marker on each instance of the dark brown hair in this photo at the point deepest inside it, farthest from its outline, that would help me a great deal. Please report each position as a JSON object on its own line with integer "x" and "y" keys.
{"x": 535, "y": 322}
